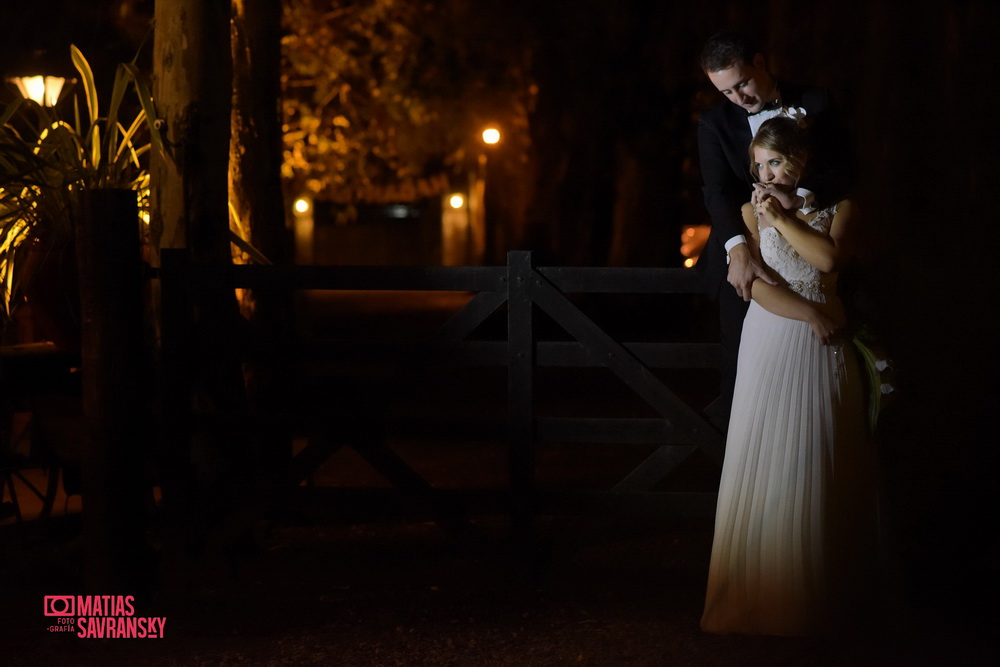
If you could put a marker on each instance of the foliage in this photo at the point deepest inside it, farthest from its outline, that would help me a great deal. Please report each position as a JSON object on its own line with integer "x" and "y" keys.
{"x": 383, "y": 93}
{"x": 45, "y": 161}
{"x": 879, "y": 374}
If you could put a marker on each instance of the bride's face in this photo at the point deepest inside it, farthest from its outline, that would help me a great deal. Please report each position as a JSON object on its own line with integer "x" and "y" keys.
{"x": 771, "y": 167}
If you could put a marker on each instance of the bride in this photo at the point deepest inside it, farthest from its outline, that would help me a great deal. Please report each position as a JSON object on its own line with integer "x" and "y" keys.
{"x": 795, "y": 546}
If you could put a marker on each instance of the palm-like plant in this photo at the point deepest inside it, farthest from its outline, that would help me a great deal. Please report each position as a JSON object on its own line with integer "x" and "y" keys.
{"x": 45, "y": 162}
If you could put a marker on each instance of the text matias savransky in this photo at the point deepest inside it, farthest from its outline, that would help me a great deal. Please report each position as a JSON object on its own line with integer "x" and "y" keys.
{"x": 102, "y": 617}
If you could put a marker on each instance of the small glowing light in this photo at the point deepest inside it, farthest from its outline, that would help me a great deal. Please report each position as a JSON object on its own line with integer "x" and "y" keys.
{"x": 491, "y": 135}
{"x": 688, "y": 263}
{"x": 42, "y": 89}
{"x": 302, "y": 205}
{"x": 398, "y": 211}
{"x": 456, "y": 201}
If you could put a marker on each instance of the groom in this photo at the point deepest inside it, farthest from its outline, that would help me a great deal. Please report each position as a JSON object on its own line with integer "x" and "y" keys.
{"x": 739, "y": 71}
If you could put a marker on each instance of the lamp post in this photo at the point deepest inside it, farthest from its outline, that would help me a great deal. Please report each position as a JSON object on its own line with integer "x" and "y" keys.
{"x": 490, "y": 137}
{"x": 305, "y": 229}
{"x": 456, "y": 233}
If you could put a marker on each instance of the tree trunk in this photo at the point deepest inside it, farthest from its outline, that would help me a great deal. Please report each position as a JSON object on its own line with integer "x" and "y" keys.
{"x": 255, "y": 144}
{"x": 192, "y": 89}
{"x": 192, "y": 84}
{"x": 255, "y": 194}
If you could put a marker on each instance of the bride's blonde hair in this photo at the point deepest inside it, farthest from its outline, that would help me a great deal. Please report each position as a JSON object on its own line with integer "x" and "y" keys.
{"x": 786, "y": 136}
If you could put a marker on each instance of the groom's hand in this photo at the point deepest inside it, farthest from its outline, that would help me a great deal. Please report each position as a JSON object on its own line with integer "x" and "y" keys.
{"x": 743, "y": 270}
{"x": 827, "y": 322}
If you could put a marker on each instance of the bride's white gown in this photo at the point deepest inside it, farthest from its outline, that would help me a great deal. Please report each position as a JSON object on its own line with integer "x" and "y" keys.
{"x": 795, "y": 530}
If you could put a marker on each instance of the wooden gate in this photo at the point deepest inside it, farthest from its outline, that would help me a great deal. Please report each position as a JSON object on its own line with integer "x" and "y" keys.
{"x": 677, "y": 431}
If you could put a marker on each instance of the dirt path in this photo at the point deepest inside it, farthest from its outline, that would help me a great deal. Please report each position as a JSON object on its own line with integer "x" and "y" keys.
{"x": 402, "y": 592}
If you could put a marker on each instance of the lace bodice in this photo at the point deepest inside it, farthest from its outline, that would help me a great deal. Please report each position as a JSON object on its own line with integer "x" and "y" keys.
{"x": 795, "y": 272}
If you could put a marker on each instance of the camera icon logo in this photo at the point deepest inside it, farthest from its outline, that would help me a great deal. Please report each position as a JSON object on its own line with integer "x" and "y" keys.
{"x": 60, "y": 605}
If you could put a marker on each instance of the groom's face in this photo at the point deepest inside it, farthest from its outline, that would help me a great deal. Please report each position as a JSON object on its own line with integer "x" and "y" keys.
{"x": 747, "y": 85}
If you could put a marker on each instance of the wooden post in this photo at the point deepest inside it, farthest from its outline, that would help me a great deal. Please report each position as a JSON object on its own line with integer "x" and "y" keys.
{"x": 255, "y": 195}
{"x": 113, "y": 364}
{"x": 192, "y": 86}
{"x": 255, "y": 141}
{"x": 520, "y": 391}
{"x": 176, "y": 355}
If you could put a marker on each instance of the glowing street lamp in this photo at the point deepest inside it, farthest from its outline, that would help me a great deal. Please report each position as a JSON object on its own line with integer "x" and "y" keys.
{"x": 477, "y": 196}
{"x": 304, "y": 229}
{"x": 44, "y": 90}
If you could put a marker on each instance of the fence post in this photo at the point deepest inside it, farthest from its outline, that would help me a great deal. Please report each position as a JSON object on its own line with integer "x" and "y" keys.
{"x": 116, "y": 558}
{"x": 520, "y": 391}
{"x": 175, "y": 399}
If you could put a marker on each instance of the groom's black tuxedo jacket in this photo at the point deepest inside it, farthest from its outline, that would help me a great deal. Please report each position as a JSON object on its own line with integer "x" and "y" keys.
{"x": 723, "y": 142}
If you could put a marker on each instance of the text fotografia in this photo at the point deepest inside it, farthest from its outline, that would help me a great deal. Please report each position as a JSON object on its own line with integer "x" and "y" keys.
{"x": 101, "y": 617}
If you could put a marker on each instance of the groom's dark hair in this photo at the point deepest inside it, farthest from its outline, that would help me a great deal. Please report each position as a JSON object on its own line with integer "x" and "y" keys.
{"x": 725, "y": 49}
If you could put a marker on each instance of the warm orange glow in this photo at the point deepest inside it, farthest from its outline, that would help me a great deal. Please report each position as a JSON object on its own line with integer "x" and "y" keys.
{"x": 491, "y": 136}
{"x": 42, "y": 89}
{"x": 456, "y": 201}
{"x": 693, "y": 239}
{"x": 302, "y": 205}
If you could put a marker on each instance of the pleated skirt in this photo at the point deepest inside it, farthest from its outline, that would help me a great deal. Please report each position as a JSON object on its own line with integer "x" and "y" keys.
{"x": 796, "y": 536}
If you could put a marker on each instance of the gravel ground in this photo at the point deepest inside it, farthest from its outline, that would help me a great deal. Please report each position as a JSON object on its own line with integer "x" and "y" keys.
{"x": 393, "y": 592}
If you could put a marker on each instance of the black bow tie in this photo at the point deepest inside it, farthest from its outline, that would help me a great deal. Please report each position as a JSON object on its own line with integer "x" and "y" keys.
{"x": 774, "y": 104}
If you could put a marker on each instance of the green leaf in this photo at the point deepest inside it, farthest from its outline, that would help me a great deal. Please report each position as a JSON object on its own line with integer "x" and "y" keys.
{"x": 874, "y": 381}
{"x": 10, "y": 109}
{"x": 76, "y": 115}
{"x": 111, "y": 148}
{"x": 95, "y": 147}
{"x": 242, "y": 244}
{"x": 87, "y": 77}
{"x": 127, "y": 135}
{"x": 146, "y": 100}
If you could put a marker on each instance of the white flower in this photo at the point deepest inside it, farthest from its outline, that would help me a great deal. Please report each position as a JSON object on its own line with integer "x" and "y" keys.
{"x": 881, "y": 365}
{"x": 886, "y": 388}
{"x": 798, "y": 114}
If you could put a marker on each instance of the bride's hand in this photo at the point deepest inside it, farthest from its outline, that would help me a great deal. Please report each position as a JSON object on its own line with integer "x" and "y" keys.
{"x": 787, "y": 200}
{"x": 768, "y": 212}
